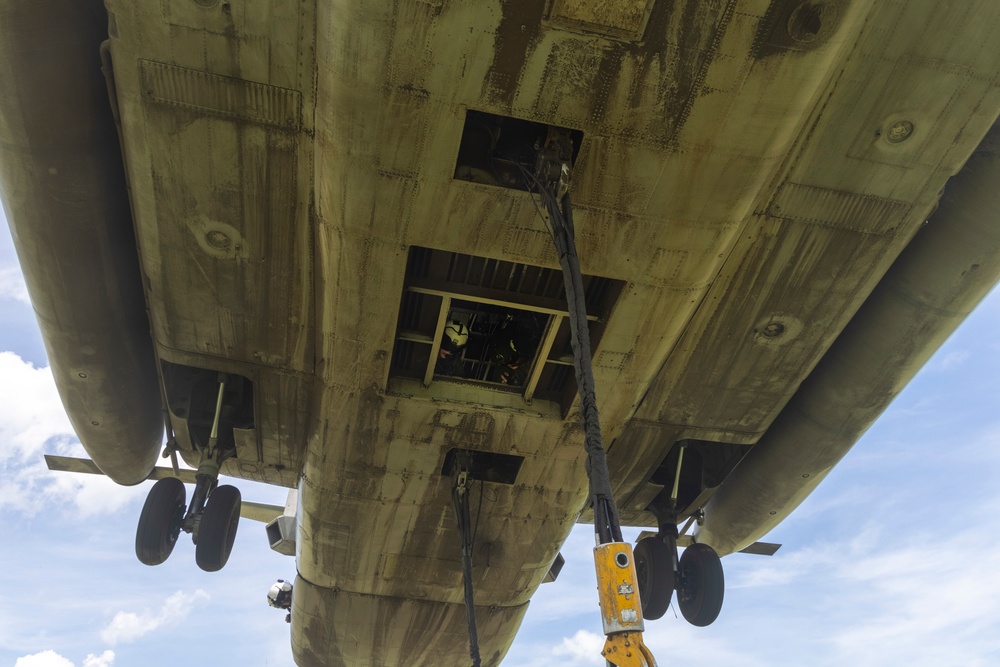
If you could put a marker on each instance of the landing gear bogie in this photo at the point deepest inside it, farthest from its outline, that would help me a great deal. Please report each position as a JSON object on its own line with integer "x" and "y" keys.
{"x": 213, "y": 515}
{"x": 696, "y": 576}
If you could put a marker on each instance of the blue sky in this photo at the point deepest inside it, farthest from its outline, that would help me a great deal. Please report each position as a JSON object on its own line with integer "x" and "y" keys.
{"x": 894, "y": 559}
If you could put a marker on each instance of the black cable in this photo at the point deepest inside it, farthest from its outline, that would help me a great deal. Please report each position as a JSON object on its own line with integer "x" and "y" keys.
{"x": 460, "y": 499}
{"x": 601, "y": 522}
{"x": 607, "y": 522}
{"x": 479, "y": 513}
{"x": 531, "y": 182}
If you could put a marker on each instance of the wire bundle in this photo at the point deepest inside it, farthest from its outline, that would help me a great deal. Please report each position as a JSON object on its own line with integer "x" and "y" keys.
{"x": 607, "y": 524}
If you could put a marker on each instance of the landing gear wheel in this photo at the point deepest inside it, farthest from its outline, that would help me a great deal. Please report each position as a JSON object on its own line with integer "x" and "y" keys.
{"x": 217, "y": 530}
{"x": 654, "y": 572}
{"x": 160, "y": 521}
{"x": 702, "y": 585}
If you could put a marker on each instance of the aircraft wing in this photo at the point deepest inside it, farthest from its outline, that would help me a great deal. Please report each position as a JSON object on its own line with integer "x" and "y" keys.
{"x": 304, "y": 241}
{"x": 262, "y": 512}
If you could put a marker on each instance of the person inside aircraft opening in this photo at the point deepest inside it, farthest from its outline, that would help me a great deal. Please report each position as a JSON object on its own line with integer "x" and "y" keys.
{"x": 453, "y": 342}
{"x": 511, "y": 349}
{"x": 280, "y": 597}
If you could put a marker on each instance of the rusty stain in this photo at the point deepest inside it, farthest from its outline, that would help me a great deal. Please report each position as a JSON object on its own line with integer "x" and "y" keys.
{"x": 516, "y": 37}
{"x": 679, "y": 68}
{"x": 370, "y": 405}
{"x": 475, "y": 431}
{"x": 606, "y": 79}
{"x": 702, "y": 25}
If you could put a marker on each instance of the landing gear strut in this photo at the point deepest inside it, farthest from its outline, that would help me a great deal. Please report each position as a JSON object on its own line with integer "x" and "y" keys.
{"x": 696, "y": 576}
{"x": 214, "y": 512}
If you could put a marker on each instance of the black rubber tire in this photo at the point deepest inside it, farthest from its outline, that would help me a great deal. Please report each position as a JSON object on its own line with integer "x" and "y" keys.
{"x": 654, "y": 573}
{"x": 702, "y": 585}
{"x": 160, "y": 521}
{"x": 217, "y": 530}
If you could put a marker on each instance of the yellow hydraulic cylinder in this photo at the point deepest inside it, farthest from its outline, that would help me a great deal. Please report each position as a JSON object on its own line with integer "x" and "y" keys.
{"x": 621, "y": 611}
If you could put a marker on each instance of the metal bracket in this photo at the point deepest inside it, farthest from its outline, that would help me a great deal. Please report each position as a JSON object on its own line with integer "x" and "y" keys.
{"x": 170, "y": 451}
{"x": 618, "y": 588}
{"x": 621, "y": 611}
{"x": 554, "y": 162}
{"x": 627, "y": 650}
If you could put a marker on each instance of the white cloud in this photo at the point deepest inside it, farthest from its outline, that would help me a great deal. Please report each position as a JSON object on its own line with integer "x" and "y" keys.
{"x": 951, "y": 360}
{"x": 804, "y": 562}
{"x": 31, "y": 488}
{"x": 128, "y": 626}
{"x": 12, "y": 284}
{"x": 44, "y": 659}
{"x": 33, "y": 421}
{"x": 30, "y": 410}
{"x": 106, "y": 659}
{"x": 902, "y": 597}
{"x": 928, "y": 598}
{"x": 50, "y": 658}
{"x": 584, "y": 647}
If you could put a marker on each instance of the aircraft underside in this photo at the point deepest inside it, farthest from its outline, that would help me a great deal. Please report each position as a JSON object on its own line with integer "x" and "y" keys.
{"x": 345, "y": 283}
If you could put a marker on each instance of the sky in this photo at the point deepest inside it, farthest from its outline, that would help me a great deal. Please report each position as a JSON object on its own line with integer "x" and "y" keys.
{"x": 894, "y": 559}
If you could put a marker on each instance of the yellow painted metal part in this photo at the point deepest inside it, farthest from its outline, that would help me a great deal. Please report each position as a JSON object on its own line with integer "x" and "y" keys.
{"x": 616, "y": 583}
{"x": 625, "y": 649}
{"x": 621, "y": 611}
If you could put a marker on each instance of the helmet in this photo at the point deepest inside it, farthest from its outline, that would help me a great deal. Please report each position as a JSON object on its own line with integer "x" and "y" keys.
{"x": 502, "y": 350}
{"x": 280, "y": 595}
{"x": 456, "y": 334}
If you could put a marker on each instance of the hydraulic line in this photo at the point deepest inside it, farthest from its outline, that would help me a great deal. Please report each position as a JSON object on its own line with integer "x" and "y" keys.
{"x": 617, "y": 583}
{"x": 607, "y": 524}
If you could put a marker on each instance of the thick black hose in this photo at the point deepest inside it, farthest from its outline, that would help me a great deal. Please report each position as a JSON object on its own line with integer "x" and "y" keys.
{"x": 606, "y": 519}
{"x": 460, "y": 499}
